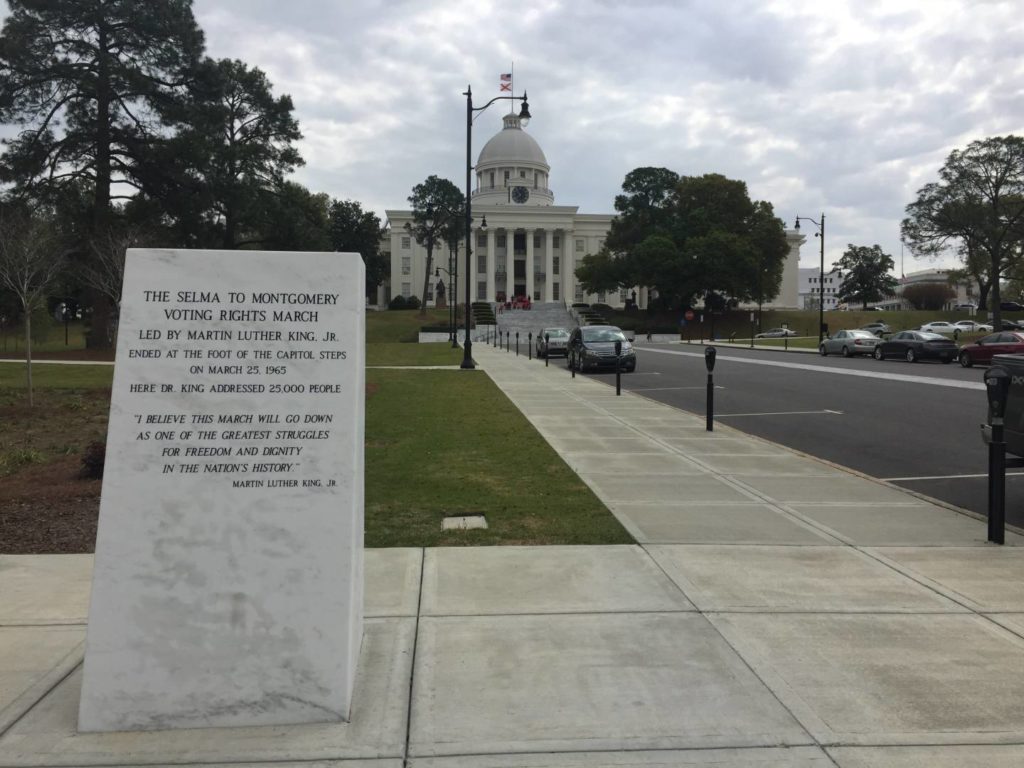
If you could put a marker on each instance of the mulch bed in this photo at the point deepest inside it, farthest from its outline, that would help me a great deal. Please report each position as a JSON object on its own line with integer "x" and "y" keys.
{"x": 49, "y": 509}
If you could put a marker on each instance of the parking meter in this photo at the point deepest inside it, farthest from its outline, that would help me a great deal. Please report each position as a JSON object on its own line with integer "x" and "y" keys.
{"x": 529, "y": 345}
{"x": 997, "y": 387}
{"x": 709, "y": 358}
{"x": 709, "y": 361}
{"x": 618, "y": 367}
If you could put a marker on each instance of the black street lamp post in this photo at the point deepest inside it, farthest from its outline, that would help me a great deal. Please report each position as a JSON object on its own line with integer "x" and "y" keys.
{"x": 820, "y": 234}
{"x": 524, "y": 114}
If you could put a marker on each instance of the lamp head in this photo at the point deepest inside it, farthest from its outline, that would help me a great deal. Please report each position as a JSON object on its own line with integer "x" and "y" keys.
{"x": 483, "y": 223}
{"x": 796, "y": 224}
{"x": 524, "y": 113}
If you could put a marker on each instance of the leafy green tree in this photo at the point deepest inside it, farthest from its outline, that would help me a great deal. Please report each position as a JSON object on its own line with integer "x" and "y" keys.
{"x": 644, "y": 207}
{"x": 696, "y": 235}
{"x": 978, "y": 206}
{"x": 233, "y": 156}
{"x": 866, "y": 274}
{"x": 353, "y": 230}
{"x": 435, "y": 202}
{"x": 929, "y": 296}
{"x": 291, "y": 218}
{"x": 90, "y": 84}
{"x": 600, "y": 272}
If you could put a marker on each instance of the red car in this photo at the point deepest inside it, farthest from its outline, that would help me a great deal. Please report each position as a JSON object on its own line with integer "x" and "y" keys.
{"x": 981, "y": 351}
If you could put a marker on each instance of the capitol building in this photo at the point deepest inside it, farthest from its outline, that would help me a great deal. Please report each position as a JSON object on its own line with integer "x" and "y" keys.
{"x": 530, "y": 246}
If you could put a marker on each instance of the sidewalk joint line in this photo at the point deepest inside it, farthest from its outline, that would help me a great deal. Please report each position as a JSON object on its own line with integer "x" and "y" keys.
{"x": 412, "y": 663}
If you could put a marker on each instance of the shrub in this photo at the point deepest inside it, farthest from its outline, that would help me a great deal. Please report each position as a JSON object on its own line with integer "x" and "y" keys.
{"x": 398, "y": 302}
{"x": 412, "y": 302}
{"x": 929, "y": 296}
{"x": 93, "y": 460}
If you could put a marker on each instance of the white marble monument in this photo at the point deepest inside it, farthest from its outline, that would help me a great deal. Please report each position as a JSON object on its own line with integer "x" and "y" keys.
{"x": 228, "y": 583}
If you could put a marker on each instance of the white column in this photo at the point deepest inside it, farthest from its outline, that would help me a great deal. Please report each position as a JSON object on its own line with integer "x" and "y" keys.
{"x": 549, "y": 265}
{"x": 529, "y": 263}
{"x": 568, "y": 266}
{"x": 491, "y": 290}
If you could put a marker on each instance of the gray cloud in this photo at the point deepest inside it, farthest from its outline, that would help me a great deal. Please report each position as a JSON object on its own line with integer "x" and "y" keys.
{"x": 845, "y": 107}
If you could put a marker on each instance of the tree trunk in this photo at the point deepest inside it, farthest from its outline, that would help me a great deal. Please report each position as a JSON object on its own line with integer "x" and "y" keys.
{"x": 28, "y": 352}
{"x": 983, "y": 289}
{"x": 997, "y": 311}
{"x": 426, "y": 275}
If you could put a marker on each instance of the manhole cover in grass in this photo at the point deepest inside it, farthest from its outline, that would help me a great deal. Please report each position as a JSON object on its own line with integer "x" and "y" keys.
{"x": 463, "y": 523}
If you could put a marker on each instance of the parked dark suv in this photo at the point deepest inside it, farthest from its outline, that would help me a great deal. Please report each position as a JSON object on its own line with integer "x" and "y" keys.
{"x": 592, "y": 347}
{"x": 1011, "y": 306}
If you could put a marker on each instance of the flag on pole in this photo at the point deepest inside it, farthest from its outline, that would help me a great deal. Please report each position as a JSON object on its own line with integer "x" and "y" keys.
{"x": 506, "y": 82}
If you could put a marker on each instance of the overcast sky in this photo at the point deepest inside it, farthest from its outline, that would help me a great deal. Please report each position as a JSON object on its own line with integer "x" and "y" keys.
{"x": 845, "y": 108}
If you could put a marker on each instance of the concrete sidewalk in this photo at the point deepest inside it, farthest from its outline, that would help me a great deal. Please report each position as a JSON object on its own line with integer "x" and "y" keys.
{"x": 777, "y": 611}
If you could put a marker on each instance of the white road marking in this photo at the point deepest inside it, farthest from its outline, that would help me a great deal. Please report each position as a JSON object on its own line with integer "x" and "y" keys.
{"x": 945, "y": 477}
{"x": 839, "y": 371}
{"x": 665, "y": 389}
{"x": 781, "y": 413}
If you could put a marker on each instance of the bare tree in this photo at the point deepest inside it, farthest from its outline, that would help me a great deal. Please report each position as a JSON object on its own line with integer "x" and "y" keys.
{"x": 103, "y": 271}
{"x": 31, "y": 260}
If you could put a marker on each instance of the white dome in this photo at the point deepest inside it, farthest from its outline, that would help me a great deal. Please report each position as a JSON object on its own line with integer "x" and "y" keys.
{"x": 512, "y": 146}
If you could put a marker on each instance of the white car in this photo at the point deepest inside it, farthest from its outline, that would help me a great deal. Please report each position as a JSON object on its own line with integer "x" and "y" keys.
{"x": 776, "y": 333}
{"x": 969, "y": 326}
{"x": 939, "y": 326}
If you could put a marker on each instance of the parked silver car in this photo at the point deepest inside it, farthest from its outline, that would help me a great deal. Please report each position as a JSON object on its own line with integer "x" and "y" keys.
{"x": 776, "y": 333}
{"x": 850, "y": 343}
{"x": 552, "y": 342}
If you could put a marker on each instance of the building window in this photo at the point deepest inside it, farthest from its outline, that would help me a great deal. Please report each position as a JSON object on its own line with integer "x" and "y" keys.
{"x": 406, "y": 242}
{"x": 536, "y": 180}
{"x": 406, "y": 265}
{"x": 536, "y": 295}
{"x": 481, "y": 263}
{"x": 501, "y": 241}
{"x": 492, "y": 178}
{"x": 555, "y": 292}
{"x": 430, "y": 293}
{"x": 557, "y": 242}
{"x": 407, "y": 290}
{"x": 623, "y": 295}
{"x": 519, "y": 243}
{"x": 579, "y": 246}
{"x": 481, "y": 290}
{"x": 506, "y": 175}
{"x": 579, "y": 292}
{"x": 536, "y": 241}
{"x": 522, "y": 174}
{"x": 481, "y": 240}
{"x": 501, "y": 264}
{"x": 601, "y": 298}
{"x": 556, "y": 264}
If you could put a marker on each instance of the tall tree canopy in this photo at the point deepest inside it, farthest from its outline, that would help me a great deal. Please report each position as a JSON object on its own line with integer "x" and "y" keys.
{"x": 436, "y": 202}
{"x": 692, "y": 235}
{"x": 354, "y": 230}
{"x": 867, "y": 274}
{"x": 89, "y": 83}
{"x": 977, "y": 206}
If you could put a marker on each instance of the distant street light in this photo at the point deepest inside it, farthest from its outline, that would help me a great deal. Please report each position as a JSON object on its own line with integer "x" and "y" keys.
{"x": 524, "y": 116}
{"x": 820, "y": 234}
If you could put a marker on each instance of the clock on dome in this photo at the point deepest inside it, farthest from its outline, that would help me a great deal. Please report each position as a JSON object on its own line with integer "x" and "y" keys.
{"x": 520, "y": 195}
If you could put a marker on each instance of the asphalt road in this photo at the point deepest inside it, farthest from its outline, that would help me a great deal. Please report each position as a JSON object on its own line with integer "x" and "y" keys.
{"x": 913, "y": 424}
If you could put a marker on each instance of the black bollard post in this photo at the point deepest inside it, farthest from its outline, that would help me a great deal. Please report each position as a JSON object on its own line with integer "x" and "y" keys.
{"x": 997, "y": 387}
{"x": 517, "y": 343}
{"x": 709, "y": 362}
{"x": 508, "y": 339}
{"x": 547, "y": 348}
{"x": 785, "y": 343}
{"x": 529, "y": 345}
{"x": 618, "y": 369}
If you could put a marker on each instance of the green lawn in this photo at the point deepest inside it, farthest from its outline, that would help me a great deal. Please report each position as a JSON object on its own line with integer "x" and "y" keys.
{"x": 441, "y": 443}
{"x": 438, "y": 443}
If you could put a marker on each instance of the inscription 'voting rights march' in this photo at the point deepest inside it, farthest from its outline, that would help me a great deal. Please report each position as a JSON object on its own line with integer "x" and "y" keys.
{"x": 228, "y": 581}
